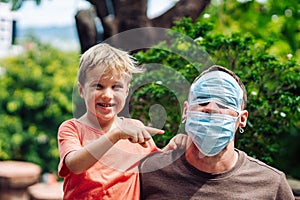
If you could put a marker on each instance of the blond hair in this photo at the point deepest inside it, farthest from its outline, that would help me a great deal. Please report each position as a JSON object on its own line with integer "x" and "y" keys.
{"x": 111, "y": 61}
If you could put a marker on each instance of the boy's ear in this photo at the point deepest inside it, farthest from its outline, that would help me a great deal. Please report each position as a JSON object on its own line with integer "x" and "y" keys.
{"x": 80, "y": 90}
{"x": 127, "y": 90}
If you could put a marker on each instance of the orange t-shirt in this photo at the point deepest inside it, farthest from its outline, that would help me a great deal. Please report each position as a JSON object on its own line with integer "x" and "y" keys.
{"x": 114, "y": 176}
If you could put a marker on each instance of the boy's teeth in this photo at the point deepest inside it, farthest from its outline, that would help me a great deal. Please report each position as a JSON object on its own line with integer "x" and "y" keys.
{"x": 105, "y": 104}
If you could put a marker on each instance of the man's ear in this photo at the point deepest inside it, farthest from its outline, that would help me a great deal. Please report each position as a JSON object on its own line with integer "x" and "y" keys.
{"x": 243, "y": 118}
{"x": 80, "y": 90}
{"x": 185, "y": 107}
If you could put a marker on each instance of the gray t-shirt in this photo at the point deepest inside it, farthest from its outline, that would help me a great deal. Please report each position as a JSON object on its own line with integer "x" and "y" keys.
{"x": 170, "y": 176}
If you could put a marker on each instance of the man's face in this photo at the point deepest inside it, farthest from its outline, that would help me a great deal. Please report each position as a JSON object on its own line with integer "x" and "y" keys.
{"x": 213, "y": 112}
{"x": 212, "y": 107}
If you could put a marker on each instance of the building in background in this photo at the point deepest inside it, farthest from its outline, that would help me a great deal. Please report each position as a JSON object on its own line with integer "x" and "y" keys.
{"x": 6, "y": 26}
{"x": 7, "y": 30}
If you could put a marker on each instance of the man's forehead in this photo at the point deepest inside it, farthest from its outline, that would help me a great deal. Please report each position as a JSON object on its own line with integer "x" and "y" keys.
{"x": 219, "y": 87}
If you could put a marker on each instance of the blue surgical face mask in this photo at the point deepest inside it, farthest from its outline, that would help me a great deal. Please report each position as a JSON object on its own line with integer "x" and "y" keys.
{"x": 210, "y": 132}
{"x": 218, "y": 87}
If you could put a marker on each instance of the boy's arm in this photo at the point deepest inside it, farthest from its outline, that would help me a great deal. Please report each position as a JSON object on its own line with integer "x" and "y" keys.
{"x": 177, "y": 142}
{"x": 82, "y": 159}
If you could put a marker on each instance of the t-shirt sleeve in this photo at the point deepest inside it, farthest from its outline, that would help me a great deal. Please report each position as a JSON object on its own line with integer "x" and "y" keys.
{"x": 68, "y": 141}
{"x": 284, "y": 190}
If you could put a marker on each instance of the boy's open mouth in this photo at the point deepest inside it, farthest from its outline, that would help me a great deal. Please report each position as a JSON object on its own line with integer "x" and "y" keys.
{"x": 105, "y": 104}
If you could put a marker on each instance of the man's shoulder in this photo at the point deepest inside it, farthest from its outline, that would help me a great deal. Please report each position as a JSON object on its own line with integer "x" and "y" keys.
{"x": 260, "y": 165}
{"x": 159, "y": 160}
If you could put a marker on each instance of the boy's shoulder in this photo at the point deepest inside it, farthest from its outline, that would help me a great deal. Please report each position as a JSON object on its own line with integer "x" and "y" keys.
{"x": 75, "y": 125}
{"x": 69, "y": 122}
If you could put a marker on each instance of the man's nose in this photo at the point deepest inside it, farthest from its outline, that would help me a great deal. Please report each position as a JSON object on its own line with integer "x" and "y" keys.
{"x": 210, "y": 107}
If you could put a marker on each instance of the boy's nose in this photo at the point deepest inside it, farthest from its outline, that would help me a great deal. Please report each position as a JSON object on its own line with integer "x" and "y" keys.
{"x": 107, "y": 93}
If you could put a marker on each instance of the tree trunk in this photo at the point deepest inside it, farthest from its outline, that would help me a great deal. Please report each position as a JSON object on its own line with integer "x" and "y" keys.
{"x": 86, "y": 28}
{"x": 120, "y": 15}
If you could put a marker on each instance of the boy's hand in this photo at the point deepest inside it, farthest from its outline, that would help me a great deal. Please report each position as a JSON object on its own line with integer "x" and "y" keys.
{"x": 178, "y": 141}
{"x": 134, "y": 133}
{"x": 141, "y": 134}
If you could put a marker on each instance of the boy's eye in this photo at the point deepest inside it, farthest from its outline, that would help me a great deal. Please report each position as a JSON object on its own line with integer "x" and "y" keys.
{"x": 117, "y": 86}
{"x": 98, "y": 86}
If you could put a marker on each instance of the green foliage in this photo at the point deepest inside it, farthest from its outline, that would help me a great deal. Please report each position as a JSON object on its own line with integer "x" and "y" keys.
{"x": 271, "y": 19}
{"x": 17, "y": 4}
{"x": 251, "y": 38}
{"x": 273, "y": 88}
{"x": 35, "y": 97}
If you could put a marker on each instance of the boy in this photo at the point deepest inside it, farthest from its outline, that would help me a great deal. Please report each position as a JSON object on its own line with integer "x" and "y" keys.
{"x": 100, "y": 151}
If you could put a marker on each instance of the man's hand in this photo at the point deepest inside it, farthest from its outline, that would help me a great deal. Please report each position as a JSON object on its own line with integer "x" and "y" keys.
{"x": 178, "y": 141}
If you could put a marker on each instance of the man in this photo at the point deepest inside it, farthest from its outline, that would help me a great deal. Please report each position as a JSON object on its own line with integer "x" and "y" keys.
{"x": 211, "y": 167}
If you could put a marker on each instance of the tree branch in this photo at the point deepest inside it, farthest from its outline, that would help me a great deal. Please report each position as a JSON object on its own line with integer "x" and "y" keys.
{"x": 184, "y": 8}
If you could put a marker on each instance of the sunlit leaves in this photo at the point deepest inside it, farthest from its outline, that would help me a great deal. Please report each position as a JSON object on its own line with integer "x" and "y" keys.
{"x": 35, "y": 97}
{"x": 272, "y": 84}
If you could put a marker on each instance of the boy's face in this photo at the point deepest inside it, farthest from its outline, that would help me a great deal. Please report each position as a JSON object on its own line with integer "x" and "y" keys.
{"x": 104, "y": 97}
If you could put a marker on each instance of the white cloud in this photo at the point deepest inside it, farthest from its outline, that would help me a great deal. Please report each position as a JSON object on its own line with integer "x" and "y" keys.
{"x": 54, "y": 12}
{"x": 157, "y": 7}
{"x": 62, "y": 12}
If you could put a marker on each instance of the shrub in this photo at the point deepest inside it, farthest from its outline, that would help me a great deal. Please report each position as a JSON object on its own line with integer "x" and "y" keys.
{"x": 273, "y": 89}
{"x": 35, "y": 97}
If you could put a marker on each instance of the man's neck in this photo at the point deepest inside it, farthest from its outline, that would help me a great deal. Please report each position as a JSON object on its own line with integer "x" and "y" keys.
{"x": 219, "y": 163}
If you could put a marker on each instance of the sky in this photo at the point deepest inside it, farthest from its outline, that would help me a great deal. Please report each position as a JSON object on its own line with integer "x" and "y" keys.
{"x": 62, "y": 12}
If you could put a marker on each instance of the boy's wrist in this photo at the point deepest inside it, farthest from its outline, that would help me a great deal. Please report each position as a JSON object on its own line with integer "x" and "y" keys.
{"x": 99, "y": 147}
{"x": 112, "y": 136}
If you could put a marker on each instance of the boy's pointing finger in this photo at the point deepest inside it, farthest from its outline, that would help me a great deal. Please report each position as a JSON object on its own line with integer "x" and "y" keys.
{"x": 152, "y": 130}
